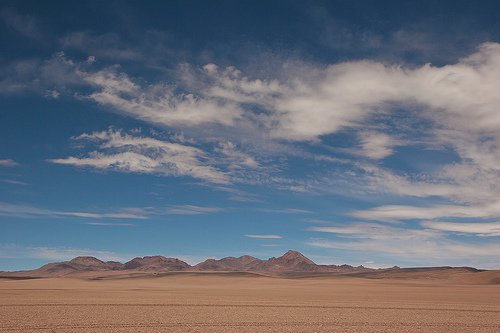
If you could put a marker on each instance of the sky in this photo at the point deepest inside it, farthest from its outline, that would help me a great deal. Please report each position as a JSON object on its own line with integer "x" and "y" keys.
{"x": 355, "y": 132}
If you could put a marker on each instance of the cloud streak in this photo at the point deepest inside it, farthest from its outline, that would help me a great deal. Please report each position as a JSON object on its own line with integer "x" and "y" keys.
{"x": 26, "y": 211}
{"x": 8, "y": 163}
{"x": 15, "y": 182}
{"x": 480, "y": 229}
{"x": 192, "y": 210}
{"x": 378, "y": 231}
{"x": 396, "y": 213}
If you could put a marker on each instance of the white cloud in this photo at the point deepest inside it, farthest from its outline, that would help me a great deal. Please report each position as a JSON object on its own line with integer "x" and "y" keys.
{"x": 26, "y": 211}
{"x": 377, "y": 145}
{"x": 8, "y": 163}
{"x": 299, "y": 188}
{"x": 285, "y": 211}
{"x": 395, "y": 213}
{"x": 265, "y": 236}
{"x": 146, "y": 155}
{"x": 158, "y": 104}
{"x": 16, "y": 182}
{"x": 117, "y": 224}
{"x": 217, "y": 163}
{"x": 377, "y": 231}
{"x": 7, "y": 209}
{"x": 459, "y": 182}
{"x": 192, "y": 210}
{"x": 459, "y": 96}
{"x": 100, "y": 216}
{"x": 480, "y": 229}
{"x": 237, "y": 158}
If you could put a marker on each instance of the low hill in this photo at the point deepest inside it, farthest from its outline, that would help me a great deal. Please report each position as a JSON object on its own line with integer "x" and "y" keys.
{"x": 454, "y": 274}
{"x": 157, "y": 264}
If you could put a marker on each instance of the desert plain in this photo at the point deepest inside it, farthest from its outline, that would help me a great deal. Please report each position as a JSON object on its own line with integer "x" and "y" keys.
{"x": 248, "y": 302}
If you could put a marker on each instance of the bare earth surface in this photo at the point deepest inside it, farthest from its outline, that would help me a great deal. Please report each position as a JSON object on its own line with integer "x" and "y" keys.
{"x": 241, "y": 302}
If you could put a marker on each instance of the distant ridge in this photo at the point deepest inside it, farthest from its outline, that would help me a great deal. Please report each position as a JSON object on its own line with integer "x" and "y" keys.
{"x": 290, "y": 262}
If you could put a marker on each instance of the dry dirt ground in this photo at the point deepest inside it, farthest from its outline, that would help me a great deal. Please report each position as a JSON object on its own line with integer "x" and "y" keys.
{"x": 246, "y": 303}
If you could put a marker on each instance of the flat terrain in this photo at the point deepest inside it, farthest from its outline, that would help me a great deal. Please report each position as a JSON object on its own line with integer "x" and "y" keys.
{"x": 241, "y": 302}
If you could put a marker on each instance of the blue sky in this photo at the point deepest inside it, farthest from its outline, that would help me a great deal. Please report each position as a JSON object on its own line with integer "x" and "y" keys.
{"x": 358, "y": 132}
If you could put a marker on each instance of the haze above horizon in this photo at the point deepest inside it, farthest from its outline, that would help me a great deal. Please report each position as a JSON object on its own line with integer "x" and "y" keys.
{"x": 355, "y": 132}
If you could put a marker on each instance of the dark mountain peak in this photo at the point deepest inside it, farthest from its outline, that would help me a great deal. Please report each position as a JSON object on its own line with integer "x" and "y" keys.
{"x": 246, "y": 256}
{"x": 243, "y": 263}
{"x": 296, "y": 256}
{"x": 86, "y": 261}
{"x": 247, "y": 259}
{"x": 292, "y": 261}
{"x": 151, "y": 258}
{"x": 158, "y": 263}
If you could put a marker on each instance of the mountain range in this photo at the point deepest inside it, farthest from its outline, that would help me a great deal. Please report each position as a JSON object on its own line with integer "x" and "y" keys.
{"x": 290, "y": 262}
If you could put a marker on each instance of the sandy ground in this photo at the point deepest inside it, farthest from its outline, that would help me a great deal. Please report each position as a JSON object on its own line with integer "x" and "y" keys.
{"x": 245, "y": 303}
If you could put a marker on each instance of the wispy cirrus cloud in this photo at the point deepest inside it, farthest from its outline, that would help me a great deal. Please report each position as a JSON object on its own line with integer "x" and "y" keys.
{"x": 109, "y": 224}
{"x": 265, "y": 236}
{"x": 100, "y": 216}
{"x": 127, "y": 153}
{"x": 377, "y": 231}
{"x": 285, "y": 211}
{"x": 27, "y": 211}
{"x": 376, "y": 145}
{"x": 396, "y": 213}
{"x": 192, "y": 210}
{"x": 8, "y": 163}
{"x": 238, "y": 195}
{"x": 220, "y": 164}
{"x": 15, "y": 182}
{"x": 158, "y": 104}
{"x": 490, "y": 229}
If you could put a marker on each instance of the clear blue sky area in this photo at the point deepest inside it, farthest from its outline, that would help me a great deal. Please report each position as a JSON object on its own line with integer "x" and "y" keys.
{"x": 357, "y": 132}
